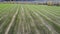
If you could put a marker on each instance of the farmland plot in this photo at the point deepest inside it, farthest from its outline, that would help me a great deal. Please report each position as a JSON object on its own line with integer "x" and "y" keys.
{"x": 29, "y": 19}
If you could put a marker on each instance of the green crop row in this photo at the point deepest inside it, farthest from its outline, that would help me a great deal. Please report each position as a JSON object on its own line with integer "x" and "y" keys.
{"x": 29, "y": 19}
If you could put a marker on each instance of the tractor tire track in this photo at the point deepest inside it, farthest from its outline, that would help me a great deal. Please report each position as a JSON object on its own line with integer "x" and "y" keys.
{"x": 12, "y": 21}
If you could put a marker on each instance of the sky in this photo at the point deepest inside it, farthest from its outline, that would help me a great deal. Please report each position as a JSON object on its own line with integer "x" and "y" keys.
{"x": 33, "y": 0}
{"x": 26, "y": 0}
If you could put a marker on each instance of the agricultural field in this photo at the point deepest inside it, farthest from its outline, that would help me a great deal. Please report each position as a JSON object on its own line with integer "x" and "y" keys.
{"x": 29, "y": 19}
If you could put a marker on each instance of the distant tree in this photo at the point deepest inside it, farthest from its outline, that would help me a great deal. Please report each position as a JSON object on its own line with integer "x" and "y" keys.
{"x": 6, "y": 0}
{"x": 50, "y": 3}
